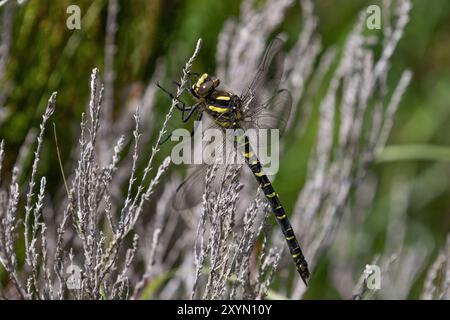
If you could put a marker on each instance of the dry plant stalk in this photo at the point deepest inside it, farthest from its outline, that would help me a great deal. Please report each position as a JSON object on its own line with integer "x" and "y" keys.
{"x": 98, "y": 236}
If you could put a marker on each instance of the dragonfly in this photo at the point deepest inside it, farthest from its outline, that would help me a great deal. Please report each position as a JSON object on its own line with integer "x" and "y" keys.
{"x": 228, "y": 110}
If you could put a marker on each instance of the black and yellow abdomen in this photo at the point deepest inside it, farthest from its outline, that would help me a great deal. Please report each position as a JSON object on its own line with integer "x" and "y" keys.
{"x": 253, "y": 162}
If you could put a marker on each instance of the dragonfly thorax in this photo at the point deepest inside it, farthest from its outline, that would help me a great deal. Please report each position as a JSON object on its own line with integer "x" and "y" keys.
{"x": 223, "y": 106}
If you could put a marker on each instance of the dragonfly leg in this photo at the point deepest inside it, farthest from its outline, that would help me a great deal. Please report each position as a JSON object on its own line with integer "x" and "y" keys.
{"x": 183, "y": 105}
{"x": 190, "y": 112}
{"x": 199, "y": 117}
{"x": 191, "y": 73}
{"x": 164, "y": 140}
{"x": 185, "y": 119}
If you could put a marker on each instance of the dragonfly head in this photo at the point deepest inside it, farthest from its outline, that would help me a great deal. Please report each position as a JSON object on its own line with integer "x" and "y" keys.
{"x": 204, "y": 85}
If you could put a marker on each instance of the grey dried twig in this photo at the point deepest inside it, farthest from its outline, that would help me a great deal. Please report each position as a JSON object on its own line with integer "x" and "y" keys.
{"x": 100, "y": 233}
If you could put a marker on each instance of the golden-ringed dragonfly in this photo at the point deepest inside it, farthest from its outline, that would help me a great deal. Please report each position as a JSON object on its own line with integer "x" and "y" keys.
{"x": 230, "y": 111}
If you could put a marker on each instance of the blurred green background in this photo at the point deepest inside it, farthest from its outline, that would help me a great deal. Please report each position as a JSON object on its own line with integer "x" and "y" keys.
{"x": 46, "y": 56}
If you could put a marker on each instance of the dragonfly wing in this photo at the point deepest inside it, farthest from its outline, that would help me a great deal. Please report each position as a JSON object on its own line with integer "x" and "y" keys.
{"x": 272, "y": 114}
{"x": 268, "y": 74}
{"x": 189, "y": 192}
{"x": 215, "y": 149}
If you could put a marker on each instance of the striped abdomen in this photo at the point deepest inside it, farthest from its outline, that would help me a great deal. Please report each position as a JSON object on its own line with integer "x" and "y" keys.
{"x": 277, "y": 208}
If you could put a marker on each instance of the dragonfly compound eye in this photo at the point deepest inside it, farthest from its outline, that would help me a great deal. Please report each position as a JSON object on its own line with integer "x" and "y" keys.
{"x": 205, "y": 89}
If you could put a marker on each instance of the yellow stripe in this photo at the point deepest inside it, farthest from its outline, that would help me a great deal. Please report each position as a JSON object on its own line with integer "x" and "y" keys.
{"x": 201, "y": 80}
{"x": 223, "y": 124}
{"x": 223, "y": 98}
{"x": 290, "y": 238}
{"x": 273, "y": 194}
{"x": 279, "y": 207}
{"x": 266, "y": 185}
{"x": 248, "y": 155}
{"x": 259, "y": 174}
{"x": 295, "y": 255}
{"x": 217, "y": 109}
{"x": 282, "y": 217}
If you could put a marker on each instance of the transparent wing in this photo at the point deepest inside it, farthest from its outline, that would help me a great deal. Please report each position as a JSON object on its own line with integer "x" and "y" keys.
{"x": 268, "y": 75}
{"x": 272, "y": 114}
{"x": 191, "y": 190}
